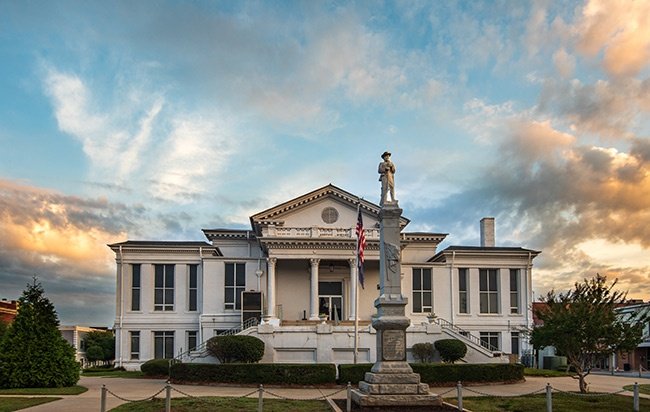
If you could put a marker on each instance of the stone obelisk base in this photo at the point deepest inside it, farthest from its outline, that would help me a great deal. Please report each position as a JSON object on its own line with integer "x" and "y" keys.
{"x": 391, "y": 382}
{"x": 394, "y": 390}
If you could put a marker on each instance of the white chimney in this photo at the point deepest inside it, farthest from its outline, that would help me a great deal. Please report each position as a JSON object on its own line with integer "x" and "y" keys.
{"x": 487, "y": 232}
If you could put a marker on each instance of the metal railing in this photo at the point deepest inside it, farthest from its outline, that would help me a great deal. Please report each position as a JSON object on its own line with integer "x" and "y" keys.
{"x": 201, "y": 350}
{"x": 465, "y": 334}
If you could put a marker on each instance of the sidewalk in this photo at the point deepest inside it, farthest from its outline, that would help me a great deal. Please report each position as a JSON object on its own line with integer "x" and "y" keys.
{"x": 136, "y": 389}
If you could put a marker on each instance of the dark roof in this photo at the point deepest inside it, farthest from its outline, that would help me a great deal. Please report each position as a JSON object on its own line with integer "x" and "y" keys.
{"x": 495, "y": 249}
{"x": 162, "y": 243}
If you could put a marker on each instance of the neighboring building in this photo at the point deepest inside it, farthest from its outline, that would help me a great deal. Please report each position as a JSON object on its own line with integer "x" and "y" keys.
{"x": 298, "y": 261}
{"x": 8, "y": 310}
{"x": 640, "y": 357}
{"x": 75, "y": 335}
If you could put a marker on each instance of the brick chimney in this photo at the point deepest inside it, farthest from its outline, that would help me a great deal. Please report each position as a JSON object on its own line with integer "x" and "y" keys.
{"x": 487, "y": 232}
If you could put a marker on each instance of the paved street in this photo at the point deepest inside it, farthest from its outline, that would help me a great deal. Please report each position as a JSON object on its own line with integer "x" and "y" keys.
{"x": 143, "y": 388}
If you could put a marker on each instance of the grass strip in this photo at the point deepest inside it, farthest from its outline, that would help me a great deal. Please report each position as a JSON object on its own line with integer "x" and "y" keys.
{"x": 14, "y": 404}
{"x": 70, "y": 390}
{"x": 545, "y": 373}
{"x": 644, "y": 388}
{"x": 114, "y": 374}
{"x": 209, "y": 404}
{"x": 561, "y": 403}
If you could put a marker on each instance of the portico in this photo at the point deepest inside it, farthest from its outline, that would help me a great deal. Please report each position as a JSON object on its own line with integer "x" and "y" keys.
{"x": 324, "y": 284}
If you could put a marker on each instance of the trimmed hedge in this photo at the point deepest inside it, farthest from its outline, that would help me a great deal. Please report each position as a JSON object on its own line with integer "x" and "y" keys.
{"x": 424, "y": 352}
{"x": 469, "y": 372}
{"x": 156, "y": 367}
{"x": 451, "y": 350}
{"x": 264, "y": 373}
{"x": 353, "y": 373}
{"x": 437, "y": 373}
{"x": 236, "y": 348}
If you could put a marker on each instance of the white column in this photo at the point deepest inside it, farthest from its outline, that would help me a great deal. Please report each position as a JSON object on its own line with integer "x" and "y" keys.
{"x": 270, "y": 287}
{"x": 354, "y": 273}
{"x": 313, "y": 298}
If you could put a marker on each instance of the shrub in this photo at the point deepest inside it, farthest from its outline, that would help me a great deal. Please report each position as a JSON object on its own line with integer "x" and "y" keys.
{"x": 156, "y": 367}
{"x": 423, "y": 352}
{"x": 236, "y": 348}
{"x": 441, "y": 374}
{"x": 450, "y": 350}
{"x": 264, "y": 373}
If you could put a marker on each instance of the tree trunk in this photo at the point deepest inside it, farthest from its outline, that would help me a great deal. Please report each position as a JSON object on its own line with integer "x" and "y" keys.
{"x": 582, "y": 383}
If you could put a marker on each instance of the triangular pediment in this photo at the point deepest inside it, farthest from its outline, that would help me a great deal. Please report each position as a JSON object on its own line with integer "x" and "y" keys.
{"x": 315, "y": 209}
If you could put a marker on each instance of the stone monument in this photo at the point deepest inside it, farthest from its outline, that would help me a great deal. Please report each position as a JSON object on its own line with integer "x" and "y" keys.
{"x": 391, "y": 382}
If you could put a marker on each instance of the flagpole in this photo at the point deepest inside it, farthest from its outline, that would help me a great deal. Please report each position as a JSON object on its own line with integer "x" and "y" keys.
{"x": 356, "y": 295}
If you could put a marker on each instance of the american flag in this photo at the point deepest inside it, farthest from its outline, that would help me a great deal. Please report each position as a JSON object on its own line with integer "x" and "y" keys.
{"x": 361, "y": 245}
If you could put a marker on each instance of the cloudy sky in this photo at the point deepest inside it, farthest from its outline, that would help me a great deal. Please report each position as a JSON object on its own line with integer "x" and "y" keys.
{"x": 153, "y": 120}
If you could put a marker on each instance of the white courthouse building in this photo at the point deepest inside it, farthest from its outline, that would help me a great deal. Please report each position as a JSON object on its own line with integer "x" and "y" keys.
{"x": 297, "y": 266}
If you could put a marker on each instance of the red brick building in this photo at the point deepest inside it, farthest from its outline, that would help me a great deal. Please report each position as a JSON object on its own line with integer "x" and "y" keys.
{"x": 8, "y": 310}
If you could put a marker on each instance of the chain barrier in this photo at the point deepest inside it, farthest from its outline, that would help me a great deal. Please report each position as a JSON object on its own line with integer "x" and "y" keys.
{"x": 318, "y": 398}
{"x": 135, "y": 400}
{"x": 196, "y": 397}
{"x": 479, "y": 392}
{"x": 446, "y": 392}
{"x": 536, "y": 392}
{"x": 587, "y": 395}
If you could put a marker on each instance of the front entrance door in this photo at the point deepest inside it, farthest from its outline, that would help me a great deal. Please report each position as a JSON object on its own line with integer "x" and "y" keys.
{"x": 330, "y": 299}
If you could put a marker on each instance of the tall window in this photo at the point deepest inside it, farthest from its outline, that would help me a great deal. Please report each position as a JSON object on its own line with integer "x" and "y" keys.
{"x": 164, "y": 288}
{"x": 135, "y": 287}
{"x": 235, "y": 284}
{"x": 163, "y": 344}
{"x": 193, "y": 288}
{"x": 490, "y": 340}
{"x": 489, "y": 290}
{"x": 135, "y": 344}
{"x": 463, "y": 303}
{"x": 191, "y": 339}
{"x": 514, "y": 343}
{"x": 514, "y": 290}
{"x": 422, "y": 290}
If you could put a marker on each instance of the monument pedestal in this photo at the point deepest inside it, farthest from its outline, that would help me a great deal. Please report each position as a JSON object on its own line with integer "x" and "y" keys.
{"x": 392, "y": 382}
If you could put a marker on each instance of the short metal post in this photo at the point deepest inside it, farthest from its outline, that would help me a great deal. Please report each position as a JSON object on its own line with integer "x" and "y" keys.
{"x": 102, "y": 405}
{"x": 549, "y": 398}
{"x": 459, "y": 395}
{"x": 260, "y": 400}
{"x": 636, "y": 397}
{"x": 348, "y": 402}
{"x": 168, "y": 398}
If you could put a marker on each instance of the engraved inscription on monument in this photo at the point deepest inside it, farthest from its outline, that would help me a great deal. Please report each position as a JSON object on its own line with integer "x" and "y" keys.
{"x": 393, "y": 345}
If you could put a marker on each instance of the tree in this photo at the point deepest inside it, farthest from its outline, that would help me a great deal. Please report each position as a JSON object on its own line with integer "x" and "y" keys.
{"x": 4, "y": 326}
{"x": 33, "y": 353}
{"x": 102, "y": 340}
{"x": 584, "y": 326}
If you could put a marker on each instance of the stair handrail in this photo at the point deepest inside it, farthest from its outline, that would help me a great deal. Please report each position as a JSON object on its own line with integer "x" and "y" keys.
{"x": 466, "y": 334}
{"x": 201, "y": 350}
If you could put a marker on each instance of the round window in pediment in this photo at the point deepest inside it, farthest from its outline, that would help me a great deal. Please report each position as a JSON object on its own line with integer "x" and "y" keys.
{"x": 330, "y": 215}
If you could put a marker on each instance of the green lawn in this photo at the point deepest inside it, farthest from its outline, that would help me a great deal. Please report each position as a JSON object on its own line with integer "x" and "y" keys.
{"x": 14, "y": 404}
{"x": 546, "y": 373}
{"x": 645, "y": 388}
{"x": 561, "y": 403}
{"x": 111, "y": 373}
{"x": 70, "y": 390}
{"x": 209, "y": 404}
